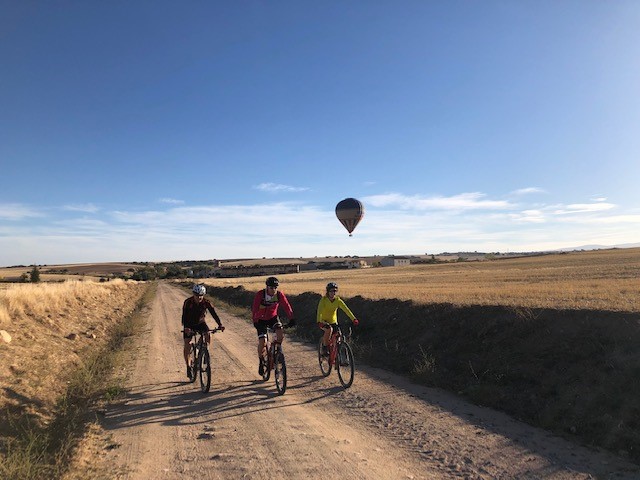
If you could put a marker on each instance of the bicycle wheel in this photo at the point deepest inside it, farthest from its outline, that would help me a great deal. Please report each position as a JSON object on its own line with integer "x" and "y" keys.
{"x": 280, "y": 371}
{"x": 323, "y": 360}
{"x": 193, "y": 360}
{"x": 266, "y": 372}
{"x": 205, "y": 370}
{"x": 345, "y": 365}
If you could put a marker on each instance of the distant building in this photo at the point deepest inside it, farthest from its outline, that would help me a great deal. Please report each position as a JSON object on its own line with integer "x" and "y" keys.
{"x": 251, "y": 268}
{"x": 357, "y": 264}
{"x": 334, "y": 263}
{"x": 393, "y": 261}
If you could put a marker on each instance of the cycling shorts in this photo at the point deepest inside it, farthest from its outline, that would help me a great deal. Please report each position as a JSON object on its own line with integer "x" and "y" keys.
{"x": 262, "y": 326}
{"x": 199, "y": 327}
{"x": 332, "y": 326}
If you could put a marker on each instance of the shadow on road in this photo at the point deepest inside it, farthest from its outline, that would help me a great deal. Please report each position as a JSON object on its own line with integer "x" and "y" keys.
{"x": 182, "y": 402}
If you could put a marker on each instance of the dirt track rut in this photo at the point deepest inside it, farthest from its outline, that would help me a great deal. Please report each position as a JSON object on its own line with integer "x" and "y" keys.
{"x": 383, "y": 427}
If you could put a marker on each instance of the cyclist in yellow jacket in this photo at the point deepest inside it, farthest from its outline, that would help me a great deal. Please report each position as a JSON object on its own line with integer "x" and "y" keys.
{"x": 327, "y": 316}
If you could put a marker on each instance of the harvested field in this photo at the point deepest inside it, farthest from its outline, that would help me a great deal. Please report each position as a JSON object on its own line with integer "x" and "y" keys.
{"x": 599, "y": 280}
{"x": 53, "y": 273}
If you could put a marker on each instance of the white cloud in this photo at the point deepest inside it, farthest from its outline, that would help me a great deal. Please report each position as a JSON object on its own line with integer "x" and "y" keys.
{"x": 247, "y": 220}
{"x": 528, "y": 216}
{"x": 463, "y": 201}
{"x": 393, "y": 223}
{"x": 584, "y": 208}
{"x": 79, "y": 225}
{"x": 87, "y": 208}
{"x": 171, "y": 201}
{"x": 528, "y": 190}
{"x": 277, "y": 188}
{"x": 16, "y": 211}
{"x": 610, "y": 220}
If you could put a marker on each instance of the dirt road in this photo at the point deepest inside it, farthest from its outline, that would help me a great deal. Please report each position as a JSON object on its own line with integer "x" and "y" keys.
{"x": 381, "y": 428}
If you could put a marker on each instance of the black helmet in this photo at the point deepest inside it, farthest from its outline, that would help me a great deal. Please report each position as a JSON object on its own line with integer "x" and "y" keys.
{"x": 272, "y": 282}
{"x": 332, "y": 286}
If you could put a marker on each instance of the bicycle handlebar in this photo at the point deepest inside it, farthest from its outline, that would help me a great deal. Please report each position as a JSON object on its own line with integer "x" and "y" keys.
{"x": 211, "y": 330}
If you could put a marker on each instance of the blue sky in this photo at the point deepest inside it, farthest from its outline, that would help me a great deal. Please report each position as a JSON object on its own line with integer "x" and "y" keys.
{"x": 156, "y": 130}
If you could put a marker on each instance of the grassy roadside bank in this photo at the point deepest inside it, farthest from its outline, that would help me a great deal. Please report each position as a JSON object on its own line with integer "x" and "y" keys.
{"x": 34, "y": 447}
{"x": 572, "y": 372}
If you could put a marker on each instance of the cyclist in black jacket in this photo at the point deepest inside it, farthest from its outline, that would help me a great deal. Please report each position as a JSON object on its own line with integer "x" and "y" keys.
{"x": 194, "y": 310}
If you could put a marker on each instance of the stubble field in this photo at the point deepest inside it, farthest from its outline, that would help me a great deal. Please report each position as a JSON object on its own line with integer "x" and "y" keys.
{"x": 597, "y": 280}
{"x": 57, "y": 273}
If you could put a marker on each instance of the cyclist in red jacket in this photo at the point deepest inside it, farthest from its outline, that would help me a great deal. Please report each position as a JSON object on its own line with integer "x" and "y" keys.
{"x": 265, "y": 314}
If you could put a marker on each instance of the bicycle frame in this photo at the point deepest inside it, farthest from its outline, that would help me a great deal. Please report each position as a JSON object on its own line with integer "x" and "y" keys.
{"x": 275, "y": 361}
{"x": 339, "y": 356}
{"x": 199, "y": 351}
{"x": 337, "y": 337}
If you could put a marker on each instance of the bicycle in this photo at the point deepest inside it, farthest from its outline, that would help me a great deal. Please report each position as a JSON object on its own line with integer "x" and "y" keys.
{"x": 275, "y": 361}
{"x": 200, "y": 359}
{"x": 340, "y": 355}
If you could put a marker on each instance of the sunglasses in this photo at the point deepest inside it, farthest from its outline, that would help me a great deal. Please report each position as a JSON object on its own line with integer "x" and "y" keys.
{"x": 333, "y": 291}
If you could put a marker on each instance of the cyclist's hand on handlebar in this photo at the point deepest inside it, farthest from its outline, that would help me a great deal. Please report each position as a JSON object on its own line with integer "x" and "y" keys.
{"x": 221, "y": 328}
{"x": 187, "y": 331}
{"x": 355, "y": 322}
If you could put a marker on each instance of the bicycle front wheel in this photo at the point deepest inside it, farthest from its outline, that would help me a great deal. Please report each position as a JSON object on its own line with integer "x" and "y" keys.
{"x": 345, "y": 365}
{"x": 324, "y": 361}
{"x": 266, "y": 372}
{"x": 205, "y": 370}
{"x": 193, "y": 363}
{"x": 280, "y": 372}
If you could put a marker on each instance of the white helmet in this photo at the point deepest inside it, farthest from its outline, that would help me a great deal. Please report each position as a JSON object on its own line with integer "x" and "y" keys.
{"x": 199, "y": 289}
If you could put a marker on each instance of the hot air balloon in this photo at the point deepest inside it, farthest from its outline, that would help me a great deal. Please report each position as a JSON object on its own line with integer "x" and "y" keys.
{"x": 349, "y": 211}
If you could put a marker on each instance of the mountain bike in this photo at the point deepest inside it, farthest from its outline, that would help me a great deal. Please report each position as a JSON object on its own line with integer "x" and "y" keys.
{"x": 274, "y": 361}
{"x": 340, "y": 355}
{"x": 200, "y": 360}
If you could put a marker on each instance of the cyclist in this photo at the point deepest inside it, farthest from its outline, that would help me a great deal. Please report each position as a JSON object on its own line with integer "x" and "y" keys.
{"x": 265, "y": 314}
{"x": 194, "y": 310}
{"x": 327, "y": 316}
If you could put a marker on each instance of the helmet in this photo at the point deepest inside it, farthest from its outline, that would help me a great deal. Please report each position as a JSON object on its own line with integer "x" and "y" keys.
{"x": 272, "y": 282}
{"x": 199, "y": 289}
{"x": 332, "y": 286}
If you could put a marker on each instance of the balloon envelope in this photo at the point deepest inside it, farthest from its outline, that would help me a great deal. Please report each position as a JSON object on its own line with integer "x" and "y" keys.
{"x": 349, "y": 211}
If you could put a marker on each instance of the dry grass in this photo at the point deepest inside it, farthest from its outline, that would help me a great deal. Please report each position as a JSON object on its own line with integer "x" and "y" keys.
{"x": 40, "y": 317}
{"x": 43, "y": 300}
{"x": 57, "y": 358}
{"x": 594, "y": 280}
